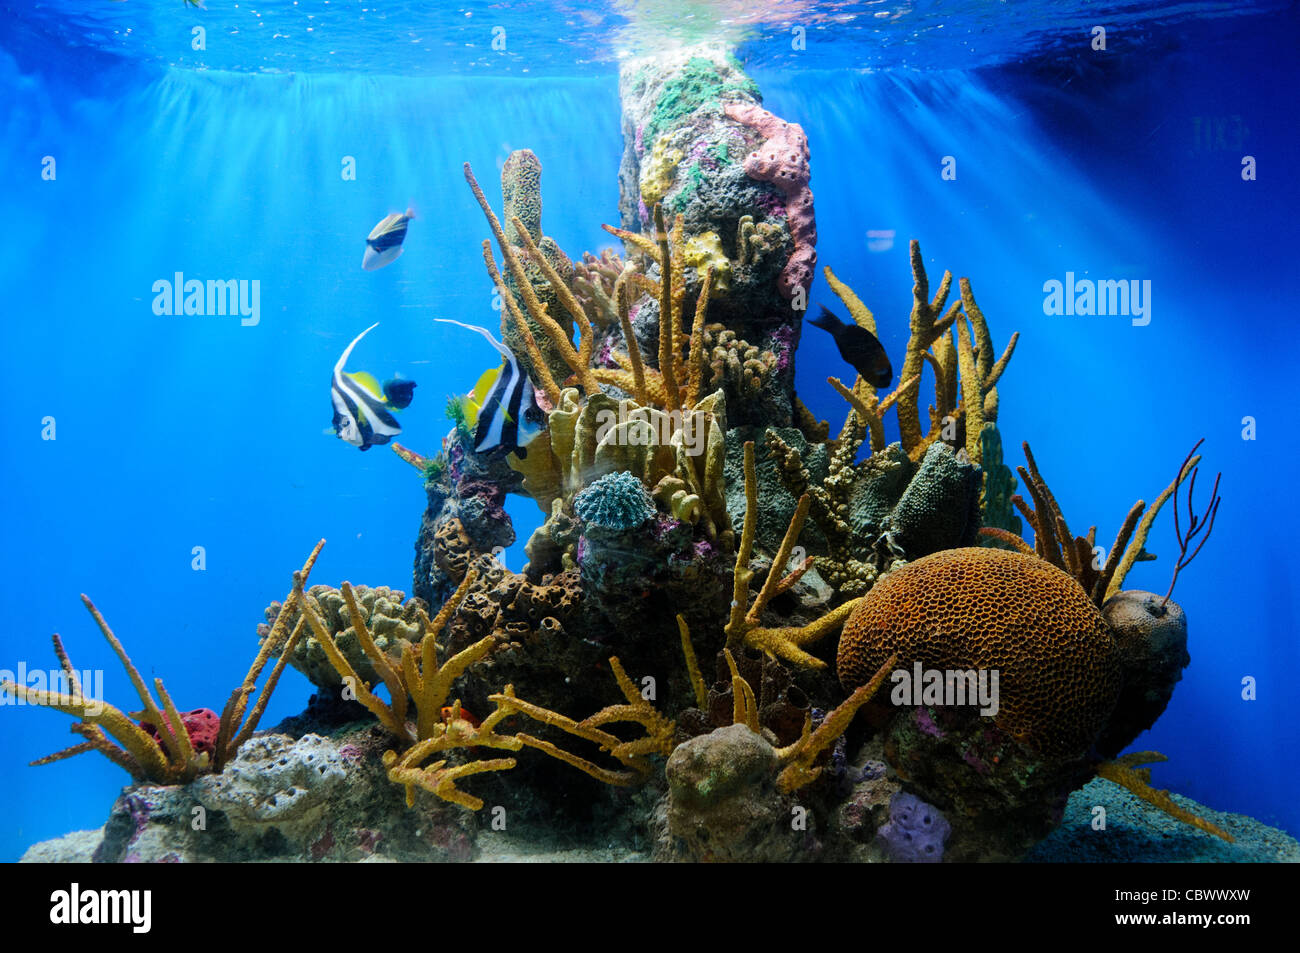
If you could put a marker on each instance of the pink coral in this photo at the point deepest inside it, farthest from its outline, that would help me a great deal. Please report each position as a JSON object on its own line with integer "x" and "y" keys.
{"x": 782, "y": 159}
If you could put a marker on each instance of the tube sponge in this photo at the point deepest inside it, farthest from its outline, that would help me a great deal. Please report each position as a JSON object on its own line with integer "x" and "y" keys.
{"x": 915, "y": 832}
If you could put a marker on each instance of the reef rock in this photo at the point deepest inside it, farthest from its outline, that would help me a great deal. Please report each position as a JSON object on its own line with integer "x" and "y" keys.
{"x": 723, "y": 804}
{"x": 1151, "y": 636}
{"x": 286, "y": 799}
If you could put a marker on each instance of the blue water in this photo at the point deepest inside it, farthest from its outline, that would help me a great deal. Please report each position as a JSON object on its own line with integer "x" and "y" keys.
{"x": 182, "y": 432}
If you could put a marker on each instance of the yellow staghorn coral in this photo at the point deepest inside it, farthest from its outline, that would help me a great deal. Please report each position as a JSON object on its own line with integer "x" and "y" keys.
{"x": 958, "y": 348}
{"x": 870, "y": 409}
{"x": 681, "y": 359}
{"x": 658, "y": 739}
{"x": 928, "y": 322}
{"x": 744, "y": 704}
{"x": 174, "y": 759}
{"x": 1074, "y": 554}
{"x": 979, "y": 373}
{"x": 1135, "y": 551}
{"x": 437, "y": 778}
{"x": 799, "y": 757}
{"x": 417, "y": 675}
{"x": 692, "y": 666}
{"x": 743, "y": 627}
{"x": 1125, "y": 772}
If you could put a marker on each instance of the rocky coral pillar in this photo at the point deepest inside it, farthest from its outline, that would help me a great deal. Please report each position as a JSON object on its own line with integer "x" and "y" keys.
{"x": 697, "y": 141}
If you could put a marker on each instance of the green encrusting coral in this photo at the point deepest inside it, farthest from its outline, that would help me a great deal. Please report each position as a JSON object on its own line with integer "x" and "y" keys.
{"x": 694, "y": 85}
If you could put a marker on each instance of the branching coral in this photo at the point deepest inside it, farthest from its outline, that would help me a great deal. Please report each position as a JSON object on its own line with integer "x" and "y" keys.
{"x": 415, "y": 675}
{"x": 1125, "y": 772}
{"x": 744, "y": 626}
{"x": 419, "y": 678}
{"x": 165, "y": 755}
{"x": 928, "y": 323}
{"x": 1075, "y": 554}
{"x": 633, "y": 755}
{"x": 959, "y": 350}
{"x": 678, "y": 383}
{"x": 979, "y": 373}
{"x": 799, "y": 757}
{"x": 389, "y": 616}
{"x": 595, "y": 280}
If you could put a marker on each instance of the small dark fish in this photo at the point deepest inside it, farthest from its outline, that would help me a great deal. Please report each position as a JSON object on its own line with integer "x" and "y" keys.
{"x": 384, "y": 244}
{"x": 859, "y": 347}
{"x": 399, "y": 393}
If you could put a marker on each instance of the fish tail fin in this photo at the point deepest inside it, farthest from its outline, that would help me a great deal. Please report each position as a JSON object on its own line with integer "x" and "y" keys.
{"x": 410, "y": 211}
{"x": 827, "y": 320}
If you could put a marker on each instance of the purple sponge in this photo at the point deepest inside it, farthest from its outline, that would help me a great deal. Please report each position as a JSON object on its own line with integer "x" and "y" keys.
{"x": 915, "y": 832}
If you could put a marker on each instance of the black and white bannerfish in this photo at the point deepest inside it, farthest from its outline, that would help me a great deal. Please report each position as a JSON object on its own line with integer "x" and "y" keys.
{"x": 502, "y": 408}
{"x": 361, "y": 408}
{"x": 384, "y": 244}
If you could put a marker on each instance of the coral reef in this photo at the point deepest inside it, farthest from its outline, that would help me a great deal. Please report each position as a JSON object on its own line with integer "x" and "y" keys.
{"x": 782, "y": 160}
{"x": 161, "y": 748}
{"x": 389, "y": 616}
{"x": 659, "y": 673}
{"x": 991, "y": 610}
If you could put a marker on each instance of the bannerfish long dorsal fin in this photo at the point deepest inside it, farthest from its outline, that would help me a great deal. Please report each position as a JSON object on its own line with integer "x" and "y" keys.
{"x": 338, "y": 368}
{"x": 501, "y": 348}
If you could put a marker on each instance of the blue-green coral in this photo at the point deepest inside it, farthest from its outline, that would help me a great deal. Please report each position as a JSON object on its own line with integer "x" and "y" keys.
{"x": 695, "y": 84}
{"x": 617, "y": 501}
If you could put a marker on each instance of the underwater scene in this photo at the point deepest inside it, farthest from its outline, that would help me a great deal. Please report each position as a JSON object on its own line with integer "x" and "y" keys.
{"x": 688, "y": 430}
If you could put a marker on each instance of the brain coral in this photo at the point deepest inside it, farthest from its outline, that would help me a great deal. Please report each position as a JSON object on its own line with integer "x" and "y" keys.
{"x": 990, "y": 609}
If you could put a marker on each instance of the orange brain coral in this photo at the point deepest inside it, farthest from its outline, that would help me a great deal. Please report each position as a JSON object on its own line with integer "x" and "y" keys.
{"x": 992, "y": 609}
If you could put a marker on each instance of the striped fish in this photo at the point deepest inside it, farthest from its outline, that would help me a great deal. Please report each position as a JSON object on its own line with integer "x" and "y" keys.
{"x": 361, "y": 415}
{"x": 384, "y": 244}
{"x": 502, "y": 408}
